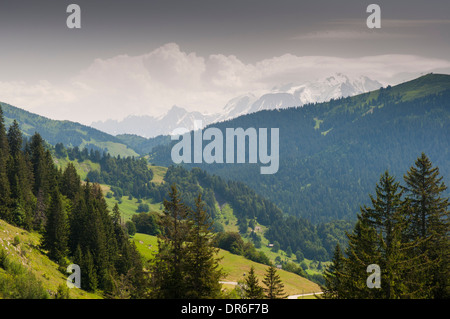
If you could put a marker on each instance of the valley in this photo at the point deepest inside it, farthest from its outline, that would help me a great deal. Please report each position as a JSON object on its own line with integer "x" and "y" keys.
{"x": 224, "y": 217}
{"x": 74, "y": 180}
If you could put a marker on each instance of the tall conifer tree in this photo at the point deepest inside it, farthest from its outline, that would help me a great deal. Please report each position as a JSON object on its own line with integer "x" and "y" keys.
{"x": 57, "y": 229}
{"x": 386, "y": 218}
{"x": 430, "y": 223}
{"x": 274, "y": 287}
{"x": 333, "y": 276}
{"x": 70, "y": 182}
{"x": 252, "y": 289}
{"x": 20, "y": 178}
{"x": 4, "y": 182}
{"x": 362, "y": 251}
{"x": 168, "y": 266}
{"x": 203, "y": 271}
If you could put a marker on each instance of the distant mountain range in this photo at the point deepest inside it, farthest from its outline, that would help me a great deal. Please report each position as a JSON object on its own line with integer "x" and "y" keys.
{"x": 285, "y": 96}
{"x": 149, "y": 126}
{"x": 331, "y": 154}
{"x": 290, "y": 95}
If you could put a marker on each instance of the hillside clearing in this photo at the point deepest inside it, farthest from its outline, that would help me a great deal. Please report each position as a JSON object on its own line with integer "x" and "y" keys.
{"x": 23, "y": 247}
{"x": 235, "y": 267}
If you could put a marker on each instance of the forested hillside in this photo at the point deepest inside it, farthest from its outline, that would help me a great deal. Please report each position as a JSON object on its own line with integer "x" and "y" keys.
{"x": 72, "y": 216}
{"x": 72, "y": 223}
{"x": 131, "y": 177}
{"x": 69, "y": 133}
{"x": 331, "y": 153}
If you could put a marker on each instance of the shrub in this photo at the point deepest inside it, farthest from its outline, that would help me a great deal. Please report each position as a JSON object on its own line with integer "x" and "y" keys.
{"x": 17, "y": 282}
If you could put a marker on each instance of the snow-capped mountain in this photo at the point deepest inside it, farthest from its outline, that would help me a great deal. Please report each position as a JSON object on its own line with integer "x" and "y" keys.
{"x": 290, "y": 95}
{"x": 149, "y": 126}
{"x": 333, "y": 87}
{"x": 250, "y": 103}
{"x": 283, "y": 96}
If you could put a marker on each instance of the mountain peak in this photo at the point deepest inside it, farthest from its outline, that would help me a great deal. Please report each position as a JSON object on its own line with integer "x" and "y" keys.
{"x": 289, "y": 95}
{"x": 175, "y": 110}
{"x": 337, "y": 78}
{"x": 283, "y": 96}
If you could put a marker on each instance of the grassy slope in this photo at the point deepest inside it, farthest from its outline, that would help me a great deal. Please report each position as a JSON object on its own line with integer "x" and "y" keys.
{"x": 229, "y": 221}
{"x": 227, "y": 218}
{"x": 235, "y": 267}
{"x": 113, "y": 148}
{"x": 158, "y": 174}
{"x": 425, "y": 85}
{"x": 67, "y": 132}
{"x": 23, "y": 247}
{"x": 82, "y": 167}
{"x": 128, "y": 206}
{"x": 27, "y": 252}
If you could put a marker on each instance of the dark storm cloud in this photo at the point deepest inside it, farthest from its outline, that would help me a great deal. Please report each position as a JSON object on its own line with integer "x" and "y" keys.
{"x": 212, "y": 50}
{"x": 251, "y": 29}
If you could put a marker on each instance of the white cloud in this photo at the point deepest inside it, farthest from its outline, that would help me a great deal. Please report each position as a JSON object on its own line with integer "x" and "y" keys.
{"x": 34, "y": 96}
{"x": 154, "y": 82}
{"x": 173, "y": 68}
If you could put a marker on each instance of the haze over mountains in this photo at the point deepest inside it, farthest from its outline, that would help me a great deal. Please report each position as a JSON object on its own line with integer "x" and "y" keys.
{"x": 283, "y": 96}
{"x": 331, "y": 154}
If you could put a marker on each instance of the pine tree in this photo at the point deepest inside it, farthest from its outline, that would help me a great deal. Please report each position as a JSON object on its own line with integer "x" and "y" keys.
{"x": 15, "y": 139}
{"x": 101, "y": 244}
{"x": 406, "y": 255}
{"x": 117, "y": 220}
{"x": 70, "y": 182}
{"x": 90, "y": 270}
{"x": 4, "y": 182}
{"x": 430, "y": 223}
{"x": 274, "y": 286}
{"x": 203, "y": 272}
{"x": 407, "y": 238}
{"x": 382, "y": 216}
{"x": 135, "y": 273}
{"x": 56, "y": 234}
{"x": 40, "y": 217}
{"x": 251, "y": 288}
{"x": 333, "y": 276}
{"x": 386, "y": 218}
{"x": 44, "y": 175}
{"x": 379, "y": 237}
{"x": 167, "y": 270}
{"x": 362, "y": 251}
{"x": 38, "y": 161}
{"x": 78, "y": 220}
{"x": 20, "y": 178}
{"x": 128, "y": 262}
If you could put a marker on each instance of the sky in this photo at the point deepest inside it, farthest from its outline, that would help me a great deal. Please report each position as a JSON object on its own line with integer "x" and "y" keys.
{"x": 142, "y": 57}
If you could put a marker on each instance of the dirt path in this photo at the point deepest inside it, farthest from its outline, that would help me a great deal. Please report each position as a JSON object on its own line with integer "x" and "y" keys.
{"x": 304, "y": 295}
{"x": 289, "y": 297}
